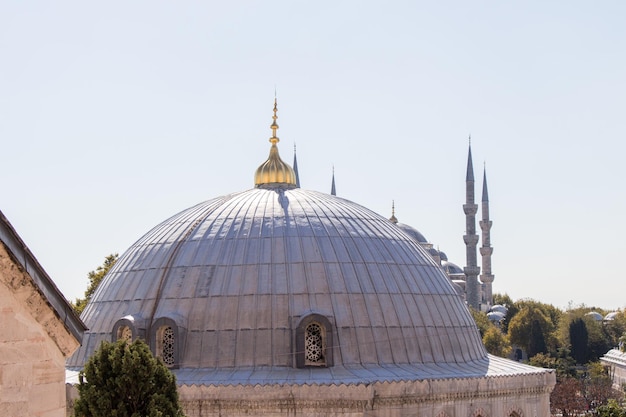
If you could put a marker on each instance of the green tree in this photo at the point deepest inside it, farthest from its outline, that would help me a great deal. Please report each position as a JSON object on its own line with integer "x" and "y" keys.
{"x": 482, "y": 321}
{"x": 95, "y": 277}
{"x": 598, "y": 386}
{"x": 610, "y": 409}
{"x": 496, "y": 342}
{"x": 579, "y": 340}
{"x": 512, "y": 309}
{"x": 126, "y": 380}
{"x": 533, "y": 330}
{"x": 615, "y": 329}
{"x": 562, "y": 363}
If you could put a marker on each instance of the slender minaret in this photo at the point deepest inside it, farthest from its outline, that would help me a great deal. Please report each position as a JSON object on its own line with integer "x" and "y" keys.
{"x": 486, "y": 250}
{"x": 333, "y": 190}
{"x": 471, "y": 238}
{"x": 295, "y": 166}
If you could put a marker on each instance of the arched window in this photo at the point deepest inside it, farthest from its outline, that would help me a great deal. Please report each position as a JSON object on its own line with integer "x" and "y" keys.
{"x": 126, "y": 329}
{"x": 165, "y": 340}
{"x": 165, "y": 345}
{"x": 314, "y": 341}
{"x": 125, "y": 333}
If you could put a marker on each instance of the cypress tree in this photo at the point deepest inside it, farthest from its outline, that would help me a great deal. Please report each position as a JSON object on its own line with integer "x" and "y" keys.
{"x": 579, "y": 339}
{"x": 126, "y": 380}
{"x": 537, "y": 342}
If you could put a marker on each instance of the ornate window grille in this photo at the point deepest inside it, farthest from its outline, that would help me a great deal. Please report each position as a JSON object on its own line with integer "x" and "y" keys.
{"x": 125, "y": 333}
{"x": 314, "y": 344}
{"x": 313, "y": 341}
{"x": 166, "y": 345}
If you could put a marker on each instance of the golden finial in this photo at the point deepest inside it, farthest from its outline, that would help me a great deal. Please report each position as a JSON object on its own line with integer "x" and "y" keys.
{"x": 274, "y": 139}
{"x": 274, "y": 173}
{"x": 393, "y": 212}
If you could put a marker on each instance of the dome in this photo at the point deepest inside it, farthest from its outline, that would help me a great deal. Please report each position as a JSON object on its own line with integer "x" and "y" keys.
{"x": 236, "y": 274}
{"x": 496, "y": 316}
{"x": 594, "y": 315}
{"x": 499, "y": 309}
{"x": 413, "y": 232}
{"x": 284, "y": 301}
{"x": 451, "y": 268}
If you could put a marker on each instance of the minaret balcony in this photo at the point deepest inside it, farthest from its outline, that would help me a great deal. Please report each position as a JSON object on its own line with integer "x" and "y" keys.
{"x": 470, "y": 209}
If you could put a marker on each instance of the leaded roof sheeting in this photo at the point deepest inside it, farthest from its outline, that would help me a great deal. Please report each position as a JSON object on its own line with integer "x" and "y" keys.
{"x": 238, "y": 271}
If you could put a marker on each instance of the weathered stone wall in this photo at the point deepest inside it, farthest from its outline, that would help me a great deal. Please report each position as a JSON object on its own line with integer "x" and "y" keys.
{"x": 511, "y": 396}
{"x": 33, "y": 342}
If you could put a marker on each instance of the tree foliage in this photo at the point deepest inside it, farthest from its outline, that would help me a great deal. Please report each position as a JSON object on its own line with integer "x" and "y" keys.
{"x": 512, "y": 309}
{"x": 534, "y": 328}
{"x": 95, "y": 277}
{"x": 566, "y": 398}
{"x": 496, "y": 342}
{"x": 126, "y": 380}
{"x": 598, "y": 386}
{"x": 579, "y": 340}
{"x": 610, "y": 409}
{"x": 481, "y": 320}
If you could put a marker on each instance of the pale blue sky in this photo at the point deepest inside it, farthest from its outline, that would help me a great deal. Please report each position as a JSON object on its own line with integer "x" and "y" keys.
{"x": 114, "y": 116}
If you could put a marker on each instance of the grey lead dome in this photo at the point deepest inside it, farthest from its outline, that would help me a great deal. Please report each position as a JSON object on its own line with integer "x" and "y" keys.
{"x": 237, "y": 273}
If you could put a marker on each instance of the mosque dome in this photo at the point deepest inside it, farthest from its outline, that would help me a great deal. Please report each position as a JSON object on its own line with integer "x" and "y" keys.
{"x": 594, "y": 315}
{"x": 278, "y": 301}
{"x": 409, "y": 230}
{"x": 451, "y": 268}
{"x": 237, "y": 274}
{"x": 413, "y": 232}
{"x": 237, "y": 279}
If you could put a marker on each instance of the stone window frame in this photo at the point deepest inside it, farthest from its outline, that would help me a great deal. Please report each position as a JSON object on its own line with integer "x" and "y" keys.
{"x": 327, "y": 340}
{"x": 120, "y": 325}
{"x": 156, "y": 343}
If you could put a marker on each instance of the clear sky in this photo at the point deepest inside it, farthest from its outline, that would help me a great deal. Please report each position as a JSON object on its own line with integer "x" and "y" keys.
{"x": 116, "y": 115}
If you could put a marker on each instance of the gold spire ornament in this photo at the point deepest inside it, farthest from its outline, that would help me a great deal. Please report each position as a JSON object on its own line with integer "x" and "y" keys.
{"x": 274, "y": 173}
{"x": 393, "y": 212}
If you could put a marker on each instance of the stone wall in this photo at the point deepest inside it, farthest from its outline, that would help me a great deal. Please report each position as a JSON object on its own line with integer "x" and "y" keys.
{"x": 511, "y": 396}
{"x": 33, "y": 345}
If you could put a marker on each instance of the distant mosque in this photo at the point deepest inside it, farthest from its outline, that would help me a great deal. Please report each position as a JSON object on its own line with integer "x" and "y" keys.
{"x": 477, "y": 295}
{"x": 283, "y": 301}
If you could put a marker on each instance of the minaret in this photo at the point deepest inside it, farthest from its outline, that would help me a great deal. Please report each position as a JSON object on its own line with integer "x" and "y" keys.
{"x": 471, "y": 238}
{"x": 486, "y": 250}
{"x": 333, "y": 190}
{"x": 295, "y": 166}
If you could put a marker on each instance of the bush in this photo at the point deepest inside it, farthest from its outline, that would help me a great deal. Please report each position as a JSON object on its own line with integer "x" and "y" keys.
{"x": 126, "y": 380}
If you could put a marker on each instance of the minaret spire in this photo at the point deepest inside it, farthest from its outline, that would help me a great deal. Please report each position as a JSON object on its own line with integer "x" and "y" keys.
{"x": 333, "y": 190}
{"x": 295, "y": 166}
{"x": 486, "y": 250}
{"x": 471, "y": 238}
